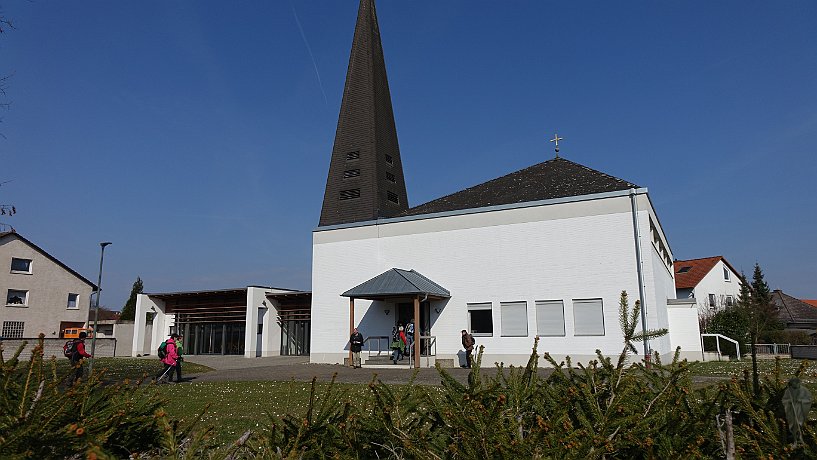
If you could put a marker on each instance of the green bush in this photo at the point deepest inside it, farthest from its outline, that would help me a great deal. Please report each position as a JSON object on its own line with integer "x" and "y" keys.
{"x": 43, "y": 415}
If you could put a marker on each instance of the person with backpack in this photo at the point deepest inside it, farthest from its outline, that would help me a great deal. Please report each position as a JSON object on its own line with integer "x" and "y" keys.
{"x": 468, "y": 343}
{"x": 76, "y": 352}
{"x": 398, "y": 343}
{"x": 169, "y": 356}
{"x": 410, "y": 337}
{"x": 179, "y": 351}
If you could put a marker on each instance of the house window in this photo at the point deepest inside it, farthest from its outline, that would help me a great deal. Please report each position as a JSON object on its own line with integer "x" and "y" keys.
{"x": 20, "y": 265}
{"x": 16, "y": 297}
{"x": 349, "y": 194}
{"x": 480, "y": 319}
{"x": 393, "y": 197}
{"x": 353, "y": 155}
{"x": 72, "y": 301}
{"x": 13, "y": 329}
{"x": 588, "y": 316}
{"x": 684, "y": 269}
{"x": 730, "y": 301}
{"x": 514, "y": 317}
{"x": 726, "y": 275}
{"x": 351, "y": 173}
{"x": 712, "y": 300}
{"x": 390, "y": 177}
{"x": 550, "y": 318}
{"x": 389, "y": 160}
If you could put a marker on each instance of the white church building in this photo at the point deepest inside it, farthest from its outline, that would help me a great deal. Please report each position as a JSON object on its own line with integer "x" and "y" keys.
{"x": 542, "y": 252}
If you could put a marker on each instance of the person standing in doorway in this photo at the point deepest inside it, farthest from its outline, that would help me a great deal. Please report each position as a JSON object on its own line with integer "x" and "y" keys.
{"x": 468, "y": 344}
{"x": 77, "y": 354}
{"x": 410, "y": 336}
{"x": 356, "y": 344}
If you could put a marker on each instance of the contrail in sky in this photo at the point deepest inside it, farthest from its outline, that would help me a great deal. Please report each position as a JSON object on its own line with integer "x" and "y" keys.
{"x": 309, "y": 49}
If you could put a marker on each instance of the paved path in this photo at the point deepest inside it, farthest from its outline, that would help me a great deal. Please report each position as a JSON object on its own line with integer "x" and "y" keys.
{"x": 286, "y": 368}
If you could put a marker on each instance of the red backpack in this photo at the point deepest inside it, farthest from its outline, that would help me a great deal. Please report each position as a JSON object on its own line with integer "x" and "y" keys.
{"x": 70, "y": 348}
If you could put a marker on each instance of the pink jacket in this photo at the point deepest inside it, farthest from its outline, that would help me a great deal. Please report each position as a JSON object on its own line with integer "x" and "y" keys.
{"x": 172, "y": 355}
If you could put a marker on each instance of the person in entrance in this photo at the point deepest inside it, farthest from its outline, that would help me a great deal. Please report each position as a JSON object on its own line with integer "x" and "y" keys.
{"x": 356, "y": 344}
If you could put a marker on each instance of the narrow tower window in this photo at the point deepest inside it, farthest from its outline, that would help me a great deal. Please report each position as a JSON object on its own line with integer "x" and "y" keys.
{"x": 393, "y": 197}
{"x": 389, "y": 160}
{"x": 390, "y": 177}
{"x": 353, "y": 155}
{"x": 351, "y": 173}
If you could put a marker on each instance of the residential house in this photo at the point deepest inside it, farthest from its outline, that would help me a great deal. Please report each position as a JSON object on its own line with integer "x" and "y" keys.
{"x": 41, "y": 293}
{"x": 795, "y": 314}
{"x": 711, "y": 281}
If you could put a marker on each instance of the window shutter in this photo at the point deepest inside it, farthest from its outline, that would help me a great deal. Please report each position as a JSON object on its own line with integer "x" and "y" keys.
{"x": 514, "y": 319}
{"x": 550, "y": 318}
{"x": 588, "y": 316}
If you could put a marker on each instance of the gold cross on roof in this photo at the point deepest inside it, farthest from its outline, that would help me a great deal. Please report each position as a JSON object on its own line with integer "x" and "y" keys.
{"x": 556, "y": 140}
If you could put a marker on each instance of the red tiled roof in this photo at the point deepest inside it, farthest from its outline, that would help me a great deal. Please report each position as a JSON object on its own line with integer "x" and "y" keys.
{"x": 813, "y": 303}
{"x": 698, "y": 268}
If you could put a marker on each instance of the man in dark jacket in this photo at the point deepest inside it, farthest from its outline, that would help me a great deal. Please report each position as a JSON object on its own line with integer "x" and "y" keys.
{"x": 468, "y": 344}
{"x": 356, "y": 343}
{"x": 77, "y": 353}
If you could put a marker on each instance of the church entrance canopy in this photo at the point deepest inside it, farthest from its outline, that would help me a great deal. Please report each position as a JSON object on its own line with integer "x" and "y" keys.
{"x": 396, "y": 284}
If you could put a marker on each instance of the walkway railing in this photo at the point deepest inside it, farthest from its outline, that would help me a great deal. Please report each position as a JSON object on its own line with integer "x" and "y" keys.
{"x": 771, "y": 348}
{"x": 718, "y": 338}
{"x": 428, "y": 348}
{"x": 378, "y": 340}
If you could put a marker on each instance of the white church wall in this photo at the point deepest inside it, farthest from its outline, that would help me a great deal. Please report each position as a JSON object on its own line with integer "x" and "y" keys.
{"x": 684, "y": 330}
{"x": 141, "y": 344}
{"x": 566, "y": 251}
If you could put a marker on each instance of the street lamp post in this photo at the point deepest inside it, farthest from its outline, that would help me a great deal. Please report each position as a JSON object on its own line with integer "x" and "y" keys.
{"x": 96, "y": 308}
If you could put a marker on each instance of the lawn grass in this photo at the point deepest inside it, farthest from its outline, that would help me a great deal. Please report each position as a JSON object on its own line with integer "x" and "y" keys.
{"x": 235, "y": 407}
{"x": 118, "y": 369}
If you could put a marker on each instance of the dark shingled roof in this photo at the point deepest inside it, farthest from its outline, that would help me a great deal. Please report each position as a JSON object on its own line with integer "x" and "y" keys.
{"x": 556, "y": 178}
{"x": 397, "y": 282}
{"x": 792, "y": 310}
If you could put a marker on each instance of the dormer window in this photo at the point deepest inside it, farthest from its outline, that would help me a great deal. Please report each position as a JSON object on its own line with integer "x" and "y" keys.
{"x": 684, "y": 269}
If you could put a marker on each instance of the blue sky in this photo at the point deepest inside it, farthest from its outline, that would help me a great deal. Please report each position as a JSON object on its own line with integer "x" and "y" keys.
{"x": 196, "y": 135}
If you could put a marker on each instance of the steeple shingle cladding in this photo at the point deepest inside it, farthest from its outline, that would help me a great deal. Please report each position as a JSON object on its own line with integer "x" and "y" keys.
{"x": 556, "y": 178}
{"x": 365, "y": 173}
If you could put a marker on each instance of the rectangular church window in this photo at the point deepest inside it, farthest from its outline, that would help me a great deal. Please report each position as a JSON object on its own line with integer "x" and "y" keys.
{"x": 389, "y": 159}
{"x": 353, "y": 155}
{"x": 390, "y": 177}
{"x": 393, "y": 197}
{"x": 588, "y": 316}
{"x": 514, "y": 317}
{"x": 550, "y": 318}
{"x": 351, "y": 173}
{"x": 349, "y": 194}
{"x": 480, "y": 319}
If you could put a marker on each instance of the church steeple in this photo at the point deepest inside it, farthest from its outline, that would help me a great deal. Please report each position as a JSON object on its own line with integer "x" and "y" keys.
{"x": 365, "y": 173}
